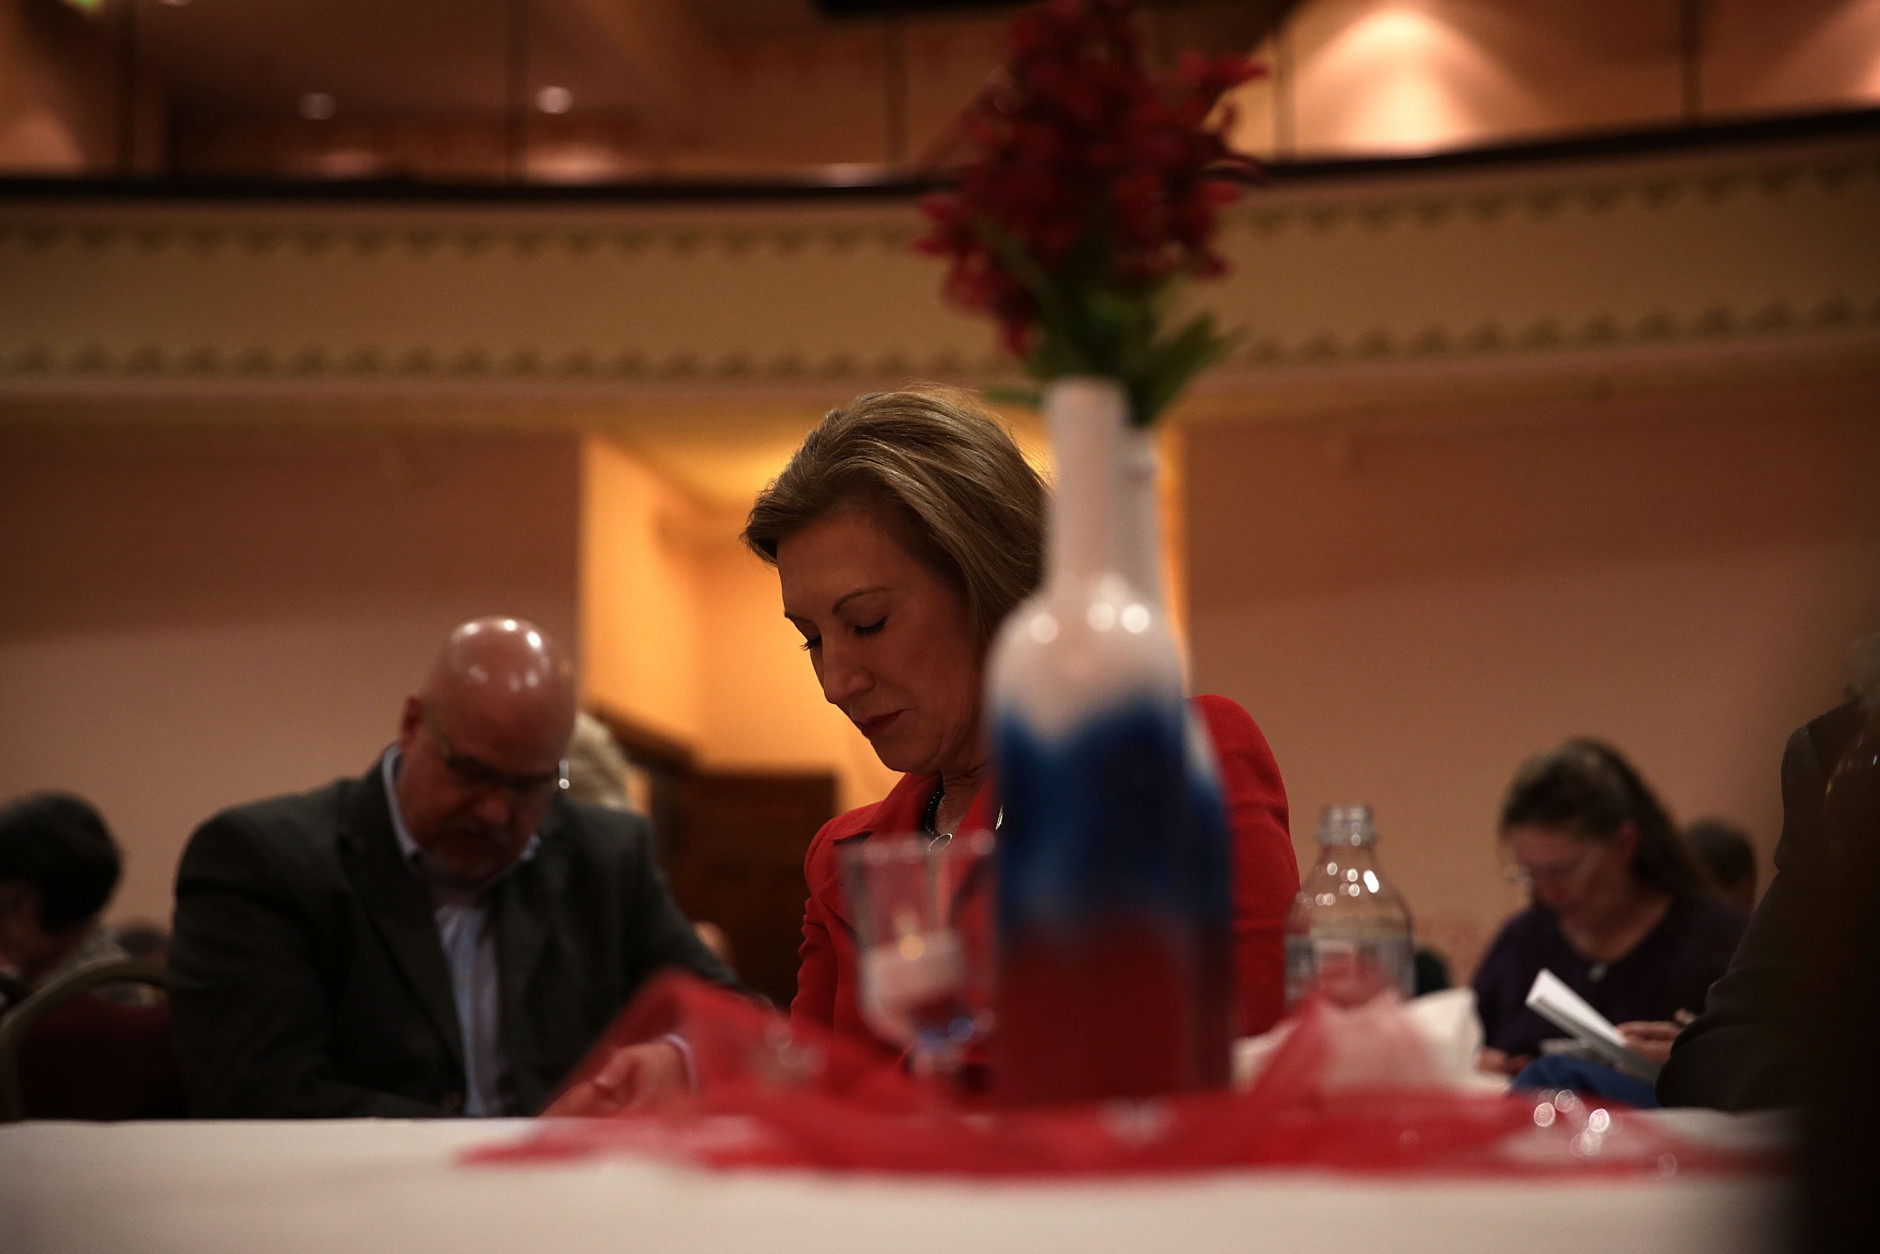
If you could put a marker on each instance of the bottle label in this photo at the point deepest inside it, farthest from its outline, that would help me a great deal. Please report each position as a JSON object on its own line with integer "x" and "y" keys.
{"x": 1347, "y": 971}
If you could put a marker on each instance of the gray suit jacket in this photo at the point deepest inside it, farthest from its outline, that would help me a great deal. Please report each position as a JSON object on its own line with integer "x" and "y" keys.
{"x": 307, "y": 978}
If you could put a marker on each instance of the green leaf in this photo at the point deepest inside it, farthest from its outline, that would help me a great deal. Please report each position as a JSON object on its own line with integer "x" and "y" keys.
{"x": 1089, "y": 325}
{"x": 1029, "y": 398}
{"x": 1171, "y": 365}
{"x": 1056, "y": 351}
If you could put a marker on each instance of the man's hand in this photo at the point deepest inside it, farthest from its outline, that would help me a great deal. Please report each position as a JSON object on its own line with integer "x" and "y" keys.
{"x": 1650, "y": 1040}
{"x": 634, "y": 1077}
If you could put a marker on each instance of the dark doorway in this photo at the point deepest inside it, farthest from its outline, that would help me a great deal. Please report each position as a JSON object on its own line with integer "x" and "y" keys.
{"x": 740, "y": 865}
{"x": 732, "y": 843}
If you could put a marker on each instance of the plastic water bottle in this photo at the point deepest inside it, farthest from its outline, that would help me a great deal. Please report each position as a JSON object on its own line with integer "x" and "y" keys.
{"x": 1348, "y": 936}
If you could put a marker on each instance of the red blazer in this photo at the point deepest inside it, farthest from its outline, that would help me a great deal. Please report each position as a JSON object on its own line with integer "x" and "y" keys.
{"x": 1266, "y": 878}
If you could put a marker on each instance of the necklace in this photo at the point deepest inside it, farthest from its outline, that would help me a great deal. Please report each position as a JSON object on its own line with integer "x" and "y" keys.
{"x": 935, "y": 839}
{"x": 930, "y": 817}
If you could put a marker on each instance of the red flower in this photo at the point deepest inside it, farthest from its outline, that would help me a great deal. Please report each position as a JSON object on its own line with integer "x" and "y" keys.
{"x": 1089, "y": 176}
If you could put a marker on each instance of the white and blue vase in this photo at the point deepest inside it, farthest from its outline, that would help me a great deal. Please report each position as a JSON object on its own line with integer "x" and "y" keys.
{"x": 1115, "y": 969}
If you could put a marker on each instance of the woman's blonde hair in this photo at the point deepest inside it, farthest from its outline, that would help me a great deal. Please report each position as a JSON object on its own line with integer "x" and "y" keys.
{"x": 948, "y": 479}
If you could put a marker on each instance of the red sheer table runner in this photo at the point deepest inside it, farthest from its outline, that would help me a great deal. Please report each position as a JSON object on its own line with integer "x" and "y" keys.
{"x": 1352, "y": 1093}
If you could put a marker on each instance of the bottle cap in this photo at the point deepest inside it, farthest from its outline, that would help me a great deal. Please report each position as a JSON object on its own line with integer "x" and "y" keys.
{"x": 1346, "y": 825}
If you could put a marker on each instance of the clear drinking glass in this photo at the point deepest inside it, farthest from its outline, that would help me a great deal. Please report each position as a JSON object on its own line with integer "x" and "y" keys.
{"x": 923, "y": 910}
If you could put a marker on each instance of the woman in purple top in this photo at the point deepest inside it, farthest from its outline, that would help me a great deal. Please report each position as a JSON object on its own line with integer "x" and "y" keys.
{"x": 1618, "y": 911}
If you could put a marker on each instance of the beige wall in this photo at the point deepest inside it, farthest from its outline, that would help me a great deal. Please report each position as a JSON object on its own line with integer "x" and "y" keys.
{"x": 683, "y": 629}
{"x": 1410, "y": 605}
{"x": 639, "y": 593}
{"x": 199, "y": 617}
{"x": 763, "y": 707}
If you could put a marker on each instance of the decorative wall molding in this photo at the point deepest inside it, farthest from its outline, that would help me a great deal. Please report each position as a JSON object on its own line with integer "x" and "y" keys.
{"x": 33, "y": 233}
{"x": 1560, "y": 266}
{"x": 1751, "y": 247}
{"x": 628, "y": 299}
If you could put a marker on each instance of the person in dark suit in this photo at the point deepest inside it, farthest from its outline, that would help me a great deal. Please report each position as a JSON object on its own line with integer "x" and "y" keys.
{"x": 446, "y": 934}
{"x": 59, "y": 866}
{"x": 1793, "y": 1022}
{"x": 1755, "y": 1045}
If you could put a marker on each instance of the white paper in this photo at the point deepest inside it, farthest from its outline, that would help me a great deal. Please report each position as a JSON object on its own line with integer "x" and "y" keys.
{"x": 1552, "y": 1000}
{"x": 1445, "y": 1021}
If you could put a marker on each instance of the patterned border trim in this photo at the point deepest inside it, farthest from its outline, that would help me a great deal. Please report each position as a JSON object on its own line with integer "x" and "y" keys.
{"x": 474, "y": 365}
{"x": 150, "y": 363}
{"x": 1716, "y": 325}
{"x": 473, "y": 243}
{"x": 1659, "y": 192}
{"x": 1251, "y": 225}
{"x": 1373, "y": 213}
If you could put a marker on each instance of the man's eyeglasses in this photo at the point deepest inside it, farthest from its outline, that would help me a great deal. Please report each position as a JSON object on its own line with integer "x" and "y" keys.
{"x": 474, "y": 774}
{"x": 1522, "y": 875}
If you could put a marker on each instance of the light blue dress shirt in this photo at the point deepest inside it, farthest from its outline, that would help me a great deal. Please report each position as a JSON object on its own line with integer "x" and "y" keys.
{"x": 468, "y": 935}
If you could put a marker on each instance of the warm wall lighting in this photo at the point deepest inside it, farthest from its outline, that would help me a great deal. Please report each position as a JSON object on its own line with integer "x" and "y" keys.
{"x": 1401, "y": 79}
{"x": 346, "y": 163}
{"x": 576, "y": 163}
{"x": 317, "y": 106}
{"x": 1411, "y": 103}
{"x": 1839, "y": 62}
{"x": 851, "y": 173}
{"x": 554, "y": 100}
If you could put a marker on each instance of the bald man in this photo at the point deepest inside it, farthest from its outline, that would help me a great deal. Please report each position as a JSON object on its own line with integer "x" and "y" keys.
{"x": 447, "y": 934}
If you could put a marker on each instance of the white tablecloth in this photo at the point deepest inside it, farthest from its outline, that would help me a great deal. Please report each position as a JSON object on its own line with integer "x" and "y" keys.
{"x": 362, "y": 1186}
